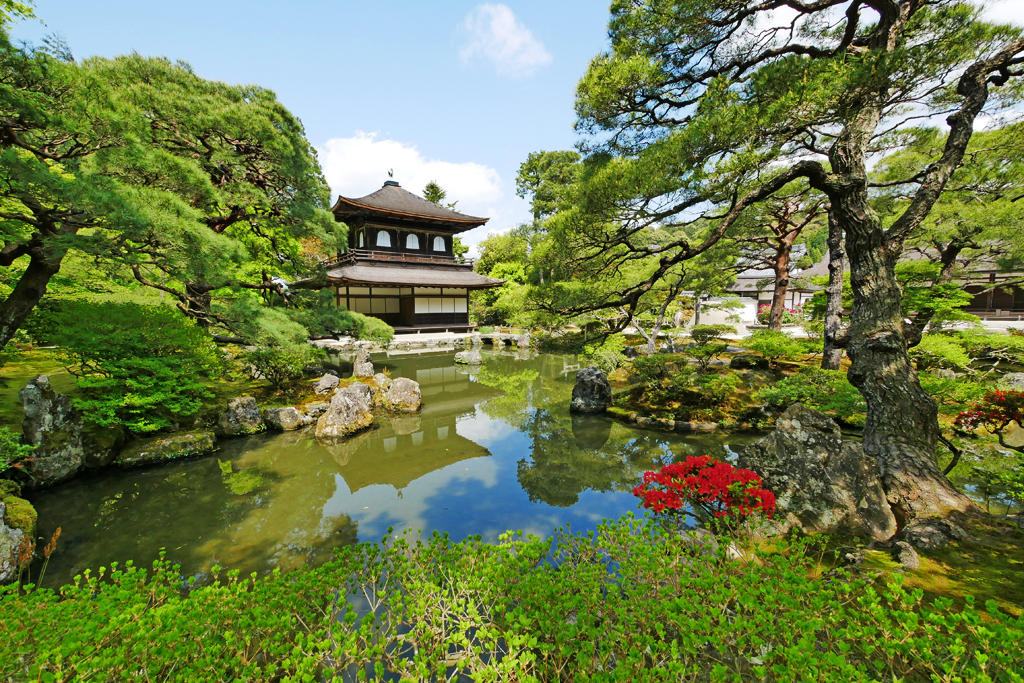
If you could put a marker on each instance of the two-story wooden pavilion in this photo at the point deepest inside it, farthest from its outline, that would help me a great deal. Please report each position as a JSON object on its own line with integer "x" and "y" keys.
{"x": 400, "y": 266}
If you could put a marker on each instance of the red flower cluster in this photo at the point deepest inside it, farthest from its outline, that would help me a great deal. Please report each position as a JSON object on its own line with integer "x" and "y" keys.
{"x": 716, "y": 487}
{"x": 995, "y": 412}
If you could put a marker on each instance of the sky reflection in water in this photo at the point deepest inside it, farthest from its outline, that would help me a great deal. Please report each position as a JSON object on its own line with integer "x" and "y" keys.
{"x": 493, "y": 449}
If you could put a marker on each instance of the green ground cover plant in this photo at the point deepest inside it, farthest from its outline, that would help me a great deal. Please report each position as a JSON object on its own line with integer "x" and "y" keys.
{"x": 631, "y": 601}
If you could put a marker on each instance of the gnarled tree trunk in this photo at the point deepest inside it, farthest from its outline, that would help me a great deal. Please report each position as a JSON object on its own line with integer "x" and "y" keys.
{"x": 832, "y": 352}
{"x": 902, "y": 428}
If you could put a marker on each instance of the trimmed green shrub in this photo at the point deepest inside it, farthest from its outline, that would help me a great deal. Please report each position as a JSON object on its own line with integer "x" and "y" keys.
{"x": 993, "y": 347}
{"x": 826, "y": 390}
{"x": 653, "y": 368}
{"x": 138, "y": 367}
{"x": 630, "y": 601}
{"x": 940, "y": 351}
{"x": 12, "y": 450}
{"x": 607, "y": 354}
{"x": 774, "y": 346}
{"x": 281, "y": 351}
{"x": 708, "y": 343}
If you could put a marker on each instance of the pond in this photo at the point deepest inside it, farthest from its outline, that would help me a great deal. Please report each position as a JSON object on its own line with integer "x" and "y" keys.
{"x": 493, "y": 449}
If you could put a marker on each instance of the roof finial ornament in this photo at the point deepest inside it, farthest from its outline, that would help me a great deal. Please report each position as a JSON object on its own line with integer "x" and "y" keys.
{"x": 391, "y": 173}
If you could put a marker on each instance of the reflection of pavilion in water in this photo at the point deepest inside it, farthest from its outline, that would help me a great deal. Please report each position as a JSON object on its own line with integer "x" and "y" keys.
{"x": 403, "y": 448}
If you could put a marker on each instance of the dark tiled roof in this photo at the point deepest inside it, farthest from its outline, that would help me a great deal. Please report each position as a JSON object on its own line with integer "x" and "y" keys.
{"x": 405, "y": 276}
{"x": 391, "y": 201}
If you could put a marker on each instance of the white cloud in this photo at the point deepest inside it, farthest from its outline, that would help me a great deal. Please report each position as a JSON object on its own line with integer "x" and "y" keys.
{"x": 357, "y": 165}
{"x": 1004, "y": 11}
{"x": 494, "y": 34}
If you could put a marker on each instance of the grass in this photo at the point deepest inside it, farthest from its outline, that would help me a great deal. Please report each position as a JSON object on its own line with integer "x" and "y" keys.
{"x": 988, "y": 565}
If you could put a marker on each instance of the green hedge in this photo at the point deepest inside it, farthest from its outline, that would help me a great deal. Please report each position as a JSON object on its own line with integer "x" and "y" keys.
{"x": 629, "y": 602}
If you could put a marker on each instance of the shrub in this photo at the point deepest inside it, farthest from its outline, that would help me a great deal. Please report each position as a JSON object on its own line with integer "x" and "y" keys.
{"x": 940, "y": 351}
{"x": 607, "y": 354}
{"x": 653, "y": 368}
{"x": 631, "y": 600}
{"x": 993, "y": 347}
{"x": 996, "y": 413}
{"x": 790, "y": 316}
{"x": 281, "y": 351}
{"x": 708, "y": 343}
{"x": 715, "y": 490}
{"x": 12, "y": 450}
{"x": 320, "y": 315}
{"x": 774, "y": 345}
{"x": 826, "y": 390}
{"x": 138, "y": 367}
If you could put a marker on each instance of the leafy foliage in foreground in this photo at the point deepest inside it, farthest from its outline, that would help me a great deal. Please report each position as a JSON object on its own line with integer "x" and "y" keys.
{"x": 631, "y": 601}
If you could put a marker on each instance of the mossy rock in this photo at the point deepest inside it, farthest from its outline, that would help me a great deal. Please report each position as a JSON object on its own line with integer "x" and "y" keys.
{"x": 9, "y": 487}
{"x": 166, "y": 448}
{"x": 19, "y": 514}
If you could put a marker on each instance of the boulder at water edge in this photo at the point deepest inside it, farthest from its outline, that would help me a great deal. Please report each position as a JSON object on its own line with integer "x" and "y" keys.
{"x": 284, "y": 419}
{"x": 326, "y": 384}
{"x": 471, "y": 356}
{"x": 166, "y": 448}
{"x": 821, "y": 483}
{"x": 382, "y": 381}
{"x": 241, "y": 417}
{"x": 592, "y": 392}
{"x": 349, "y": 412}
{"x": 403, "y": 395}
{"x": 11, "y": 539}
{"x": 52, "y": 426}
{"x": 361, "y": 366}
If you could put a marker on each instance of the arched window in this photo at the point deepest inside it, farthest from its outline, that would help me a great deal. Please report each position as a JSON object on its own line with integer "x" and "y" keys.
{"x": 362, "y": 239}
{"x": 438, "y": 243}
{"x": 383, "y": 239}
{"x": 412, "y": 242}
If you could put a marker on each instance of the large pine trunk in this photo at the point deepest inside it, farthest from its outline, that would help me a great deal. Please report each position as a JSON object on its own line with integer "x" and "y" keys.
{"x": 781, "y": 270}
{"x": 902, "y": 429}
{"x": 29, "y": 291}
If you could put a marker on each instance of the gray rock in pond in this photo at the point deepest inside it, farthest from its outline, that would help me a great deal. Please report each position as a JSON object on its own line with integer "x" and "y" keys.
{"x": 165, "y": 448}
{"x": 10, "y": 546}
{"x": 364, "y": 391}
{"x": 284, "y": 419}
{"x": 905, "y": 554}
{"x": 312, "y": 411}
{"x": 349, "y": 412}
{"x": 1013, "y": 381}
{"x": 469, "y": 357}
{"x": 382, "y": 380}
{"x": 821, "y": 483}
{"x": 404, "y": 395}
{"x": 748, "y": 361}
{"x": 361, "y": 366}
{"x": 592, "y": 392}
{"x": 523, "y": 340}
{"x": 242, "y": 417}
{"x": 54, "y": 428}
{"x": 326, "y": 384}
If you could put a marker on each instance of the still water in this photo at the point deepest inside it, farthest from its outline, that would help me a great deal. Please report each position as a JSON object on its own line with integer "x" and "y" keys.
{"x": 493, "y": 449}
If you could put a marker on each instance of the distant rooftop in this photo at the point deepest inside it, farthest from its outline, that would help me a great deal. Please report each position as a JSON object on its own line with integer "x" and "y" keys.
{"x": 392, "y": 201}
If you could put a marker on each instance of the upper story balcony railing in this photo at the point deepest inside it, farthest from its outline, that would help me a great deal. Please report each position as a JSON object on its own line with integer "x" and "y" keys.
{"x": 395, "y": 256}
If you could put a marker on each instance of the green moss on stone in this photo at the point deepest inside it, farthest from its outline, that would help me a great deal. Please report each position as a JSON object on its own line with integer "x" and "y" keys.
{"x": 19, "y": 514}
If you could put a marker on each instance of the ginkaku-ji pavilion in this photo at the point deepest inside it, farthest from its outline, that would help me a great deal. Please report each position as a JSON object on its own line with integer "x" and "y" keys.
{"x": 400, "y": 266}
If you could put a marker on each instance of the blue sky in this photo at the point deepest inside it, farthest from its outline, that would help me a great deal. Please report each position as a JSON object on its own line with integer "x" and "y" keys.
{"x": 457, "y": 91}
